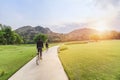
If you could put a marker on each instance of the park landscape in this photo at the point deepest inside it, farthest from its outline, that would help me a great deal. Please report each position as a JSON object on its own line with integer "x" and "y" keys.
{"x": 83, "y": 38}
{"x": 96, "y": 58}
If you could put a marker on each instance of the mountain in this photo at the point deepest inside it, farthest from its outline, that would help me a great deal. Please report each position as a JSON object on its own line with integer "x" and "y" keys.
{"x": 28, "y": 33}
{"x": 80, "y": 34}
{"x": 30, "y": 29}
{"x": 87, "y": 34}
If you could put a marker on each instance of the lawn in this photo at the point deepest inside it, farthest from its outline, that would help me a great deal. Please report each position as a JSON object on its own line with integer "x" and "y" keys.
{"x": 92, "y": 61}
{"x": 13, "y": 57}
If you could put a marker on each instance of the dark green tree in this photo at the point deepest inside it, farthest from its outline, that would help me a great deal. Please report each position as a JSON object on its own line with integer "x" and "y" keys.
{"x": 18, "y": 39}
{"x": 2, "y": 39}
{"x": 7, "y": 36}
{"x": 41, "y": 36}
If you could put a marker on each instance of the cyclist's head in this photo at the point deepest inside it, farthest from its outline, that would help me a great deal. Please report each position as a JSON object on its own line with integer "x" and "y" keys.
{"x": 39, "y": 39}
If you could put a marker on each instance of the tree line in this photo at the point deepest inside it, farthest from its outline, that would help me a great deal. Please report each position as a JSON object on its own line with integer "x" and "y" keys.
{"x": 108, "y": 35}
{"x": 8, "y": 36}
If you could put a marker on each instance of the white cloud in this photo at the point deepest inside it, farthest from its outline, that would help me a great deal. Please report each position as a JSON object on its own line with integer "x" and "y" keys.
{"x": 112, "y": 9}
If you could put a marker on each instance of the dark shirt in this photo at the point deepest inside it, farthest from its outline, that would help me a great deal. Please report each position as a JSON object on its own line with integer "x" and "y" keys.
{"x": 39, "y": 44}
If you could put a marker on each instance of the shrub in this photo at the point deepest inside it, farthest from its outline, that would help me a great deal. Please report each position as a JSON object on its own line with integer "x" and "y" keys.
{"x": 62, "y": 48}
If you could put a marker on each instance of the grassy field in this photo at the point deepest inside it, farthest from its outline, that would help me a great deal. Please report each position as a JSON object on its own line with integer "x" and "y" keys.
{"x": 13, "y": 57}
{"x": 92, "y": 61}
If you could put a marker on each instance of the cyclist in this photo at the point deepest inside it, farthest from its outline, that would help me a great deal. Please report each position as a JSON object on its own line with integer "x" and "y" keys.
{"x": 39, "y": 45}
{"x": 46, "y": 45}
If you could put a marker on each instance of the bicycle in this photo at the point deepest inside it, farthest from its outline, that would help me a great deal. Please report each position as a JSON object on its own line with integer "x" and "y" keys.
{"x": 39, "y": 55}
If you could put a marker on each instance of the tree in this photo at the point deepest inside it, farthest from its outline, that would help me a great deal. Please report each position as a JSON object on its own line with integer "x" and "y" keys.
{"x": 7, "y": 33}
{"x": 95, "y": 37}
{"x": 2, "y": 39}
{"x": 114, "y": 35}
{"x": 7, "y": 36}
{"x": 18, "y": 39}
{"x": 41, "y": 36}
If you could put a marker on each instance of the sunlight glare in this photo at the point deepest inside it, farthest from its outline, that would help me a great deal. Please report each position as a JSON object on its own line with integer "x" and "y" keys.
{"x": 101, "y": 26}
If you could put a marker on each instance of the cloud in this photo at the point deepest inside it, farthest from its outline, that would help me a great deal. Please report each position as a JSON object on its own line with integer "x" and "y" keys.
{"x": 106, "y": 3}
{"x": 112, "y": 6}
{"x": 115, "y": 23}
{"x": 67, "y": 27}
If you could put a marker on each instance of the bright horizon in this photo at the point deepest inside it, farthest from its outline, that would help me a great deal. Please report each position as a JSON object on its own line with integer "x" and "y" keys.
{"x": 61, "y": 15}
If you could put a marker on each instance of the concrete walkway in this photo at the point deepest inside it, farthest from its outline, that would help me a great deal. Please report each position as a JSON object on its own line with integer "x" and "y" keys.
{"x": 49, "y": 68}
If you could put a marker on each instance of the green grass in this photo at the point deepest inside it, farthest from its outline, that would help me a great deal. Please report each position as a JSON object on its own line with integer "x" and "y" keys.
{"x": 13, "y": 57}
{"x": 92, "y": 61}
{"x": 76, "y": 42}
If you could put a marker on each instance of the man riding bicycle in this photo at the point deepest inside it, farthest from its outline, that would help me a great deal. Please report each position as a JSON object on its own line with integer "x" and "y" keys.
{"x": 39, "y": 48}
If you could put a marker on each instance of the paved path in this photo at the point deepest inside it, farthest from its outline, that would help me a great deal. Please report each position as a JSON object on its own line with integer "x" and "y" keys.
{"x": 49, "y": 68}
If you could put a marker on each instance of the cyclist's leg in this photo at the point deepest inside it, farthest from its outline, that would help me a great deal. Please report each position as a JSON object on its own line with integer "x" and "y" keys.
{"x": 46, "y": 48}
{"x": 41, "y": 53}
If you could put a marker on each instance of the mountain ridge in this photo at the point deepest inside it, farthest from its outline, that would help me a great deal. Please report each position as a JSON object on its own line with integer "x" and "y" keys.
{"x": 29, "y": 32}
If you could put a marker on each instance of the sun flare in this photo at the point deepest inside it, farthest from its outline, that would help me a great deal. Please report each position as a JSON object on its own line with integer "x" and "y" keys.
{"x": 101, "y": 26}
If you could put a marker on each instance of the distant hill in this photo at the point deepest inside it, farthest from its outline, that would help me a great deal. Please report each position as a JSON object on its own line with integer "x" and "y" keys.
{"x": 28, "y": 33}
{"x": 34, "y": 30}
{"x": 80, "y": 34}
{"x": 87, "y": 33}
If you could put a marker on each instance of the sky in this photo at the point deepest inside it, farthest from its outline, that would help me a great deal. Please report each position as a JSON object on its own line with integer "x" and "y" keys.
{"x": 61, "y": 15}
